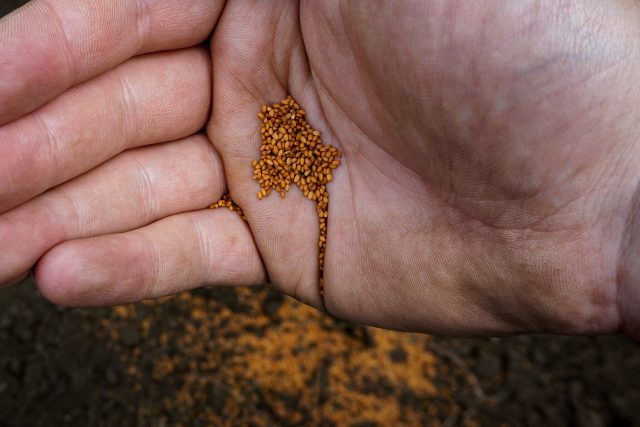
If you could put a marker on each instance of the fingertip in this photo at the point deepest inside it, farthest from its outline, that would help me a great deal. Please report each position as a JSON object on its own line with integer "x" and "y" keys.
{"x": 86, "y": 273}
{"x": 69, "y": 275}
{"x": 51, "y": 279}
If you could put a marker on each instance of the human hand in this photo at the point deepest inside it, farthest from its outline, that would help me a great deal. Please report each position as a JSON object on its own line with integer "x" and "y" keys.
{"x": 47, "y": 47}
{"x": 488, "y": 180}
{"x": 490, "y": 159}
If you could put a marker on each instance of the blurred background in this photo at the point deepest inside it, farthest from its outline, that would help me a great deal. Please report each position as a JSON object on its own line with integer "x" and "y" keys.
{"x": 253, "y": 357}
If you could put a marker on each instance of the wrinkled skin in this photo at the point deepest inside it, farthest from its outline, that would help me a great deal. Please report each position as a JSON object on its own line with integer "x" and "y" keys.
{"x": 488, "y": 184}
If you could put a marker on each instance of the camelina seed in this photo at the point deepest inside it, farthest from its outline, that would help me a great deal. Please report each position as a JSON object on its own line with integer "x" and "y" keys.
{"x": 292, "y": 152}
{"x": 226, "y": 202}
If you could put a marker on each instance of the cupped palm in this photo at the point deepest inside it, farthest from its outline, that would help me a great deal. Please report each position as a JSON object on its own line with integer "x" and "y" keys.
{"x": 490, "y": 157}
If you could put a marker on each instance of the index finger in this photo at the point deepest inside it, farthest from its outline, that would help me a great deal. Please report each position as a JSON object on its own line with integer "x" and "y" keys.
{"x": 48, "y": 46}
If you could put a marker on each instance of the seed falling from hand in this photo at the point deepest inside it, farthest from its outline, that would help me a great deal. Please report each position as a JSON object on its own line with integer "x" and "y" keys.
{"x": 292, "y": 152}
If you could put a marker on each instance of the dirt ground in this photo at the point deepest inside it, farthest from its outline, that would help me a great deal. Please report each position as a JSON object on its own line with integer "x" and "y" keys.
{"x": 252, "y": 357}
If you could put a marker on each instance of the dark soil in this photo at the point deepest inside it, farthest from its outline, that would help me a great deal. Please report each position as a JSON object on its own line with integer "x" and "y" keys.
{"x": 252, "y": 357}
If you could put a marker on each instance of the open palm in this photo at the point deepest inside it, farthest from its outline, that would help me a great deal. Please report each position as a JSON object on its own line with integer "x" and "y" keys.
{"x": 482, "y": 189}
{"x": 488, "y": 179}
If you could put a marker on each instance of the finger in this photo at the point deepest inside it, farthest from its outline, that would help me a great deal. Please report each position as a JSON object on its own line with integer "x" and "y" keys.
{"x": 149, "y": 99}
{"x": 48, "y": 46}
{"x": 175, "y": 254}
{"x": 130, "y": 191}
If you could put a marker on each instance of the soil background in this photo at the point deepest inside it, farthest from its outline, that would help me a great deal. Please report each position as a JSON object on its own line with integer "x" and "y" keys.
{"x": 253, "y": 357}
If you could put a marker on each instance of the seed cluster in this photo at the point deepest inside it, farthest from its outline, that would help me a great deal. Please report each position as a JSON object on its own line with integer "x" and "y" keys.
{"x": 226, "y": 202}
{"x": 292, "y": 152}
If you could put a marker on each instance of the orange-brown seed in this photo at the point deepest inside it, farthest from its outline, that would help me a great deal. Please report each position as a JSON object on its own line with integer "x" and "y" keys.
{"x": 292, "y": 152}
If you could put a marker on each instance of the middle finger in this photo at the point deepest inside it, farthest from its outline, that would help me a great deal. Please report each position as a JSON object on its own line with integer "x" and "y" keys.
{"x": 149, "y": 99}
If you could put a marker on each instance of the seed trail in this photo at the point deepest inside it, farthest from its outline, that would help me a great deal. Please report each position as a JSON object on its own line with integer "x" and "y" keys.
{"x": 292, "y": 152}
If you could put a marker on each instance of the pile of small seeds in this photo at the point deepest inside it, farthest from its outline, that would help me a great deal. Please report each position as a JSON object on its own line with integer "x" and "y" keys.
{"x": 292, "y": 152}
{"x": 226, "y": 202}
